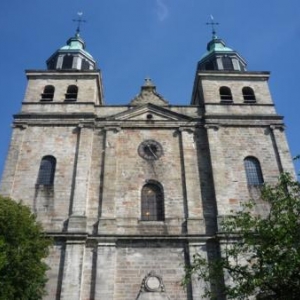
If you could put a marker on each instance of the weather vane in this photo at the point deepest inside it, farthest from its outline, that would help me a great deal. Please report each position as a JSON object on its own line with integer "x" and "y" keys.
{"x": 79, "y": 20}
{"x": 213, "y": 24}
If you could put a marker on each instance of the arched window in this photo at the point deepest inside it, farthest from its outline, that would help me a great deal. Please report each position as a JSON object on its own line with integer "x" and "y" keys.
{"x": 152, "y": 202}
{"x": 248, "y": 94}
{"x": 227, "y": 63}
{"x": 225, "y": 94}
{"x": 47, "y": 170}
{"x": 72, "y": 93}
{"x": 253, "y": 171}
{"x": 67, "y": 62}
{"x": 48, "y": 93}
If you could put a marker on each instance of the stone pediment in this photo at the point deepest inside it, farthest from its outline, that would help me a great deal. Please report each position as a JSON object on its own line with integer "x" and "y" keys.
{"x": 149, "y": 112}
{"x": 148, "y": 94}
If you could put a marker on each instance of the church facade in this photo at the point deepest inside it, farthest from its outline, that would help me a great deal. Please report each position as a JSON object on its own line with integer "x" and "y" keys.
{"x": 130, "y": 193}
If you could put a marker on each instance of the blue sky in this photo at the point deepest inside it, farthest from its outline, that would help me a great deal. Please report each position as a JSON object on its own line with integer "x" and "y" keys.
{"x": 163, "y": 39}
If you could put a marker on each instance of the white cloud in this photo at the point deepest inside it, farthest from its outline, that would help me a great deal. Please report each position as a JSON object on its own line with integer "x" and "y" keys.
{"x": 162, "y": 10}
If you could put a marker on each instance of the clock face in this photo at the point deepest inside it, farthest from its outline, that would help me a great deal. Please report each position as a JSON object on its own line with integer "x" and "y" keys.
{"x": 150, "y": 150}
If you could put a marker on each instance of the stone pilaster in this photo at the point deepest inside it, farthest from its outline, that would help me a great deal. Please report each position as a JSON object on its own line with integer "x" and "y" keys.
{"x": 106, "y": 266}
{"x": 218, "y": 165}
{"x": 282, "y": 150}
{"x": 88, "y": 272}
{"x": 77, "y": 221}
{"x": 108, "y": 215}
{"x": 191, "y": 175}
{"x": 72, "y": 276}
{"x": 11, "y": 165}
{"x": 197, "y": 248}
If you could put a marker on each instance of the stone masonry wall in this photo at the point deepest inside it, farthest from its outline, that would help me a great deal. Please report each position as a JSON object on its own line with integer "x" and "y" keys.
{"x": 229, "y": 147}
{"x": 50, "y": 203}
{"x": 260, "y": 87}
{"x": 125, "y": 173}
{"x": 87, "y": 87}
{"x": 136, "y": 260}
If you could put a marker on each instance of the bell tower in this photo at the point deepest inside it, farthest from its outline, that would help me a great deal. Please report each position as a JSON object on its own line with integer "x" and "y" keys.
{"x": 241, "y": 125}
{"x": 58, "y": 98}
{"x": 71, "y": 79}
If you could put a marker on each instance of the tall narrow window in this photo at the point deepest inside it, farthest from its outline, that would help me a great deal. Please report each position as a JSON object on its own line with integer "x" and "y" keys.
{"x": 227, "y": 63}
{"x": 48, "y": 93}
{"x": 248, "y": 94}
{"x": 253, "y": 171}
{"x": 152, "y": 202}
{"x": 67, "y": 62}
{"x": 51, "y": 64}
{"x": 209, "y": 65}
{"x": 47, "y": 170}
{"x": 72, "y": 93}
{"x": 225, "y": 94}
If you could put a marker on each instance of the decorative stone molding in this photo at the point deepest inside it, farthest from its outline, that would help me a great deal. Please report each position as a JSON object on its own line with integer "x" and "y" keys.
{"x": 21, "y": 126}
{"x": 148, "y": 94}
{"x": 114, "y": 129}
{"x": 152, "y": 283}
{"x": 85, "y": 125}
{"x": 279, "y": 127}
{"x": 186, "y": 129}
{"x": 152, "y": 288}
{"x": 77, "y": 223}
{"x": 215, "y": 127}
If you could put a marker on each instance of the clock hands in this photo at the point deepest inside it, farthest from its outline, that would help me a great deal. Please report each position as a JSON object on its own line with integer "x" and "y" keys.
{"x": 150, "y": 149}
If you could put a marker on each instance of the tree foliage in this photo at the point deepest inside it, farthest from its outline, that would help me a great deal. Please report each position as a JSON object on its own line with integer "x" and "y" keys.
{"x": 259, "y": 254}
{"x": 23, "y": 246}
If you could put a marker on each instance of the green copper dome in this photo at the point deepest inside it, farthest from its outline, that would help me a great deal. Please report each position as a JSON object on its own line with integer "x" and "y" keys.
{"x": 76, "y": 44}
{"x": 72, "y": 56}
{"x": 216, "y": 45}
{"x": 221, "y": 58}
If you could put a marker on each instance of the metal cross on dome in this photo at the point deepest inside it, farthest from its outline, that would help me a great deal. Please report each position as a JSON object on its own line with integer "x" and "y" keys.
{"x": 79, "y": 20}
{"x": 213, "y": 24}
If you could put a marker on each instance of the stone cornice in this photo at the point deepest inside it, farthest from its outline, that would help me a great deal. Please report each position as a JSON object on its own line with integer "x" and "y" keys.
{"x": 61, "y": 73}
{"x": 137, "y": 238}
{"x": 243, "y": 117}
{"x": 55, "y": 116}
{"x": 234, "y": 75}
{"x": 239, "y": 104}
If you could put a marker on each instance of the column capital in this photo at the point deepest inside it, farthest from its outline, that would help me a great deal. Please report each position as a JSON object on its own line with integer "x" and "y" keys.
{"x": 21, "y": 126}
{"x": 280, "y": 127}
{"x": 90, "y": 125}
{"x": 114, "y": 129}
{"x": 215, "y": 127}
{"x": 186, "y": 129}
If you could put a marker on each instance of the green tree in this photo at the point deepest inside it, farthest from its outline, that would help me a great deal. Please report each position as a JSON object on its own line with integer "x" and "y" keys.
{"x": 259, "y": 254}
{"x": 23, "y": 246}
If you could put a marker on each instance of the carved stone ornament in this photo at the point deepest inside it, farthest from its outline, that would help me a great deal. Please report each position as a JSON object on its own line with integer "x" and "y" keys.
{"x": 280, "y": 127}
{"x": 148, "y": 94}
{"x": 152, "y": 288}
{"x": 152, "y": 283}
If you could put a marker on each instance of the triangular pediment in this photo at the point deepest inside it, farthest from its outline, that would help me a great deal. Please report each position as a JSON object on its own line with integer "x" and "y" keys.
{"x": 148, "y": 94}
{"x": 149, "y": 112}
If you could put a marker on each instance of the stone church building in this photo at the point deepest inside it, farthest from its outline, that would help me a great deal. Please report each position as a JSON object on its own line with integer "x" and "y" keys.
{"x": 130, "y": 192}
